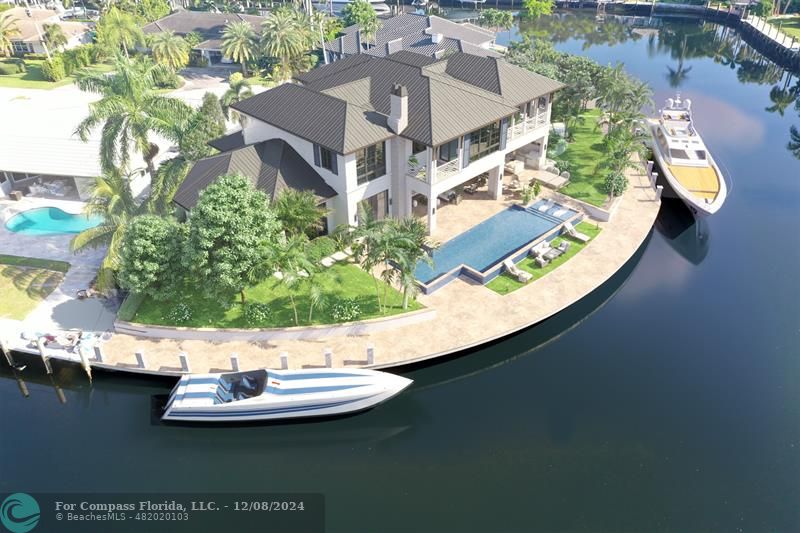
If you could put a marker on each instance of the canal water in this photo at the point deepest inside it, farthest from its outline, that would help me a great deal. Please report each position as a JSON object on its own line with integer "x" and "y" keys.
{"x": 669, "y": 400}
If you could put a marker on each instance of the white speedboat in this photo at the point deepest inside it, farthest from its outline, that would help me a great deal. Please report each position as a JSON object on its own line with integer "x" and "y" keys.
{"x": 272, "y": 395}
{"x": 684, "y": 159}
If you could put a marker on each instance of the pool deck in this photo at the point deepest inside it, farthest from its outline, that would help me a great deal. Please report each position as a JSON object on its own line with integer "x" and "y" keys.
{"x": 467, "y": 314}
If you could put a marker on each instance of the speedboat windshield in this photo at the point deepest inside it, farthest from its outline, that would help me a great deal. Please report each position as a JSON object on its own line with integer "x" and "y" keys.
{"x": 241, "y": 386}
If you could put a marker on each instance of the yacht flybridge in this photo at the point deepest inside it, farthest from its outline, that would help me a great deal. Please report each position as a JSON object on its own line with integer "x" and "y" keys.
{"x": 684, "y": 159}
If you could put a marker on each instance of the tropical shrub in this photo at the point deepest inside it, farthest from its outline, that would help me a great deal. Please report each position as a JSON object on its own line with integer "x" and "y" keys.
{"x": 76, "y": 58}
{"x": 180, "y": 314}
{"x": 12, "y": 66}
{"x": 320, "y": 248}
{"x": 53, "y": 69}
{"x": 256, "y": 313}
{"x": 616, "y": 183}
{"x": 166, "y": 79}
{"x": 345, "y": 310}
{"x": 528, "y": 194}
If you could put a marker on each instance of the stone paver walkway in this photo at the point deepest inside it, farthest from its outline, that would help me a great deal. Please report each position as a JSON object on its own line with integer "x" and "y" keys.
{"x": 468, "y": 314}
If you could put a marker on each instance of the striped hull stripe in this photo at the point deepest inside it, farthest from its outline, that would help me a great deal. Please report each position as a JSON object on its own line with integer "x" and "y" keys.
{"x": 262, "y": 412}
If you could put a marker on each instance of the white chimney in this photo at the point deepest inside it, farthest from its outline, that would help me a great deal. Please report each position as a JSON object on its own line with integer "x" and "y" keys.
{"x": 436, "y": 38}
{"x": 398, "y": 109}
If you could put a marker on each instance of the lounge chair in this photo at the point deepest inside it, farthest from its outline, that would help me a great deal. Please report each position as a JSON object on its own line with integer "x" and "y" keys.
{"x": 558, "y": 251}
{"x": 521, "y": 275}
{"x": 570, "y": 230}
{"x": 546, "y": 206}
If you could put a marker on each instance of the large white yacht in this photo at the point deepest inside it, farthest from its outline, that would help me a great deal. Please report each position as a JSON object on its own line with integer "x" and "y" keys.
{"x": 684, "y": 159}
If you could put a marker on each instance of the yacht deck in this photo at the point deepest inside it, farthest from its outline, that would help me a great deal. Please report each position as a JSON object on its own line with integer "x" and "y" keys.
{"x": 702, "y": 182}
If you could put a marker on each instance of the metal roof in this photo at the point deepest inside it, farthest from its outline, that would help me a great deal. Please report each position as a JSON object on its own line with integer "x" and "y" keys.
{"x": 414, "y": 32}
{"x": 271, "y": 166}
{"x": 54, "y": 156}
{"x": 208, "y": 25}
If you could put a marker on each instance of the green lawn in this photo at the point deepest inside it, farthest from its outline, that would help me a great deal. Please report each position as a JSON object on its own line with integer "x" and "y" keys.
{"x": 24, "y": 282}
{"x": 584, "y": 153}
{"x": 505, "y": 283}
{"x": 339, "y": 281}
{"x": 788, "y": 25}
{"x": 33, "y": 79}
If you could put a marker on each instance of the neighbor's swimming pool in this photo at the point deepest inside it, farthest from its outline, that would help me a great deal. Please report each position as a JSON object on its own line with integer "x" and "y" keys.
{"x": 494, "y": 239}
{"x": 50, "y": 221}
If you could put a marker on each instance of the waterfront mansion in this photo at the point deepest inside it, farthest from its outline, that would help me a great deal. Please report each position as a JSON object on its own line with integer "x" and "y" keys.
{"x": 397, "y": 134}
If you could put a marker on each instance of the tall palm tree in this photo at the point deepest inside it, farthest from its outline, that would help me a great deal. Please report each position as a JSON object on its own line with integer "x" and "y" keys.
{"x": 54, "y": 36}
{"x": 8, "y": 29}
{"x": 170, "y": 49}
{"x": 111, "y": 198}
{"x": 413, "y": 249}
{"x": 119, "y": 29}
{"x": 239, "y": 43}
{"x": 238, "y": 90}
{"x": 298, "y": 212}
{"x": 129, "y": 110}
{"x": 284, "y": 36}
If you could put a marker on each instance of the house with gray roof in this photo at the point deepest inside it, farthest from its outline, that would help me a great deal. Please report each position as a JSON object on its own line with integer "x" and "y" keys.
{"x": 208, "y": 25}
{"x": 427, "y": 35}
{"x": 386, "y": 133}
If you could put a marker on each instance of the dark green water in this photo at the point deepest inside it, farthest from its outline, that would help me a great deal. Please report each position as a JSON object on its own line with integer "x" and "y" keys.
{"x": 669, "y": 400}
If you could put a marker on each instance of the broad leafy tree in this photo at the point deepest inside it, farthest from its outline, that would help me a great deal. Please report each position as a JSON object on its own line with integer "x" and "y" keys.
{"x": 240, "y": 43}
{"x": 537, "y": 8}
{"x": 227, "y": 230}
{"x": 129, "y": 111}
{"x": 362, "y": 13}
{"x": 170, "y": 49}
{"x": 149, "y": 262}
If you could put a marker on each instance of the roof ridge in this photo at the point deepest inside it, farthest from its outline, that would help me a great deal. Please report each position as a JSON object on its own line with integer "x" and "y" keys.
{"x": 467, "y": 87}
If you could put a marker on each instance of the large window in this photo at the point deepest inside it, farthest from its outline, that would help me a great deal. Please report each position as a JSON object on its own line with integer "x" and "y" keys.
{"x": 447, "y": 151}
{"x": 371, "y": 162}
{"x": 325, "y": 158}
{"x": 21, "y": 47}
{"x": 484, "y": 141}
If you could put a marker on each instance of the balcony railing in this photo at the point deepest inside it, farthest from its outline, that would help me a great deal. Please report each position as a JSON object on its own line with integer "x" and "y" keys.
{"x": 527, "y": 125}
{"x": 443, "y": 171}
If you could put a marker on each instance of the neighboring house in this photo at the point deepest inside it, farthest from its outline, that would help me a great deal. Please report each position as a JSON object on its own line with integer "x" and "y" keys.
{"x": 209, "y": 26}
{"x": 390, "y": 132}
{"x": 30, "y": 23}
{"x": 427, "y": 35}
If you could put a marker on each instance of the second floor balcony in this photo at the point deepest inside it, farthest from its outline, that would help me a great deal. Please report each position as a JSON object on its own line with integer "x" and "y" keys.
{"x": 440, "y": 170}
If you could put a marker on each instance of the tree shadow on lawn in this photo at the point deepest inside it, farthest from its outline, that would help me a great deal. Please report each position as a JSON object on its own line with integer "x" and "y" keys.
{"x": 36, "y": 283}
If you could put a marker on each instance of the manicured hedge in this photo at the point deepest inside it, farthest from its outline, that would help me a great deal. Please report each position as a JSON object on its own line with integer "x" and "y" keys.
{"x": 12, "y": 66}
{"x": 53, "y": 69}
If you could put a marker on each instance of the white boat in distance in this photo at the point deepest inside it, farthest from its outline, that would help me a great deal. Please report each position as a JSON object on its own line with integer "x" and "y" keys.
{"x": 684, "y": 159}
{"x": 279, "y": 394}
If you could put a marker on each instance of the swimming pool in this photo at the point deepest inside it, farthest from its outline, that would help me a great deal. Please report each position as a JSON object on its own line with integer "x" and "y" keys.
{"x": 50, "y": 221}
{"x": 494, "y": 239}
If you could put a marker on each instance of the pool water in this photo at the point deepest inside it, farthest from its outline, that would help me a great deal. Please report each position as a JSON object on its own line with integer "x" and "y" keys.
{"x": 51, "y": 221}
{"x": 494, "y": 239}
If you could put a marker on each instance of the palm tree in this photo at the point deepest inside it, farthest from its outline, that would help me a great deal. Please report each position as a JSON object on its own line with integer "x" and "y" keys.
{"x": 8, "y": 29}
{"x": 54, "y": 36}
{"x": 365, "y": 242}
{"x": 239, "y": 43}
{"x": 118, "y": 28}
{"x": 170, "y": 49}
{"x": 129, "y": 110}
{"x": 298, "y": 212}
{"x": 111, "y": 198}
{"x": 238, "y": 90}
{"x": 416, "y": 248}
{"x": 287, "y": 256}
{"x": 284, "y": 36}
